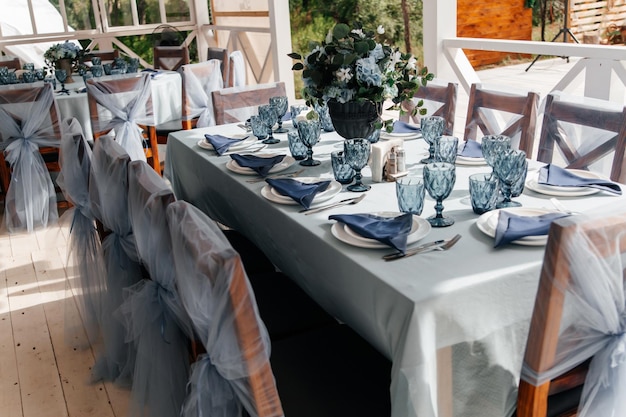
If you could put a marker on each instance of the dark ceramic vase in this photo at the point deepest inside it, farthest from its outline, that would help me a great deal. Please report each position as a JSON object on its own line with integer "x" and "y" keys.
{"x": 354, "y": 119}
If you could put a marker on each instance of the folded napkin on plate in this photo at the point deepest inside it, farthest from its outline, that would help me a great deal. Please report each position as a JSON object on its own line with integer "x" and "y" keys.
{"x": 392, "y": 231}
{"x": 221, "y": 143}
{"x": 403, "y": 127}
{"x": 471, "y": 149}
{"x": 286, "y": 117}
{"x": 513, "y": 227}
{"x": 256, "y": 163}
{"x": 554, "y": 175}
{"x": 153, "y": 73}
{"x": 300, "y": 192}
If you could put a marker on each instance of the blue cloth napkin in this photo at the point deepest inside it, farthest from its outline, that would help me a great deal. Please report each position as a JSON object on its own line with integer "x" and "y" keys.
{"x": 472, "y": 149}
{"x": 402, "y": 127}
{"x": 302, "y": 193}
{"x": 392, "y": 231}
{"x": 286, "y": 117}
{"x": 554, "y": 175}
{"x": 513, "y": 227}
{"x": 258, "y": 164}
{"x": 221, "y": 143}
{"x": 153, "y": 73}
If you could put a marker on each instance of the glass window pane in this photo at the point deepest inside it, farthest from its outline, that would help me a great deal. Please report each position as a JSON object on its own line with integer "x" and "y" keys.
{"x": 148, "y": 11}
{"x": 119, "y": 12}
{"x": 177, "y": 10}
{"x": 79, "y": 14}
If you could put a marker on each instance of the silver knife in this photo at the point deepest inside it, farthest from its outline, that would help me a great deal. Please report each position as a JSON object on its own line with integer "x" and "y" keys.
{"x": 414, "y": 250}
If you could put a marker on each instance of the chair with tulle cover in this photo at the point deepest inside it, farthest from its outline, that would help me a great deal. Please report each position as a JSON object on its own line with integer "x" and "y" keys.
{"x": 588, "y": 133}
{"x": 89, "y": 279}
{"x": 495, "y": 111}
{"x": 155, "y": 319}
{"x": 11, "y": 62}
{"x": 578, "y": 326}
{"x": 30, "y": 136}
{"x": 122, "y": 105}
{"x": 237, "y": 68}
{"x": 170, "y": 58}
{"x": 235, "y": 373}
{"x": 438, "y": 99}
{"x": 220, "y": 54}
{"x": 237, "y": 104}
{"x": 108, "y": 192}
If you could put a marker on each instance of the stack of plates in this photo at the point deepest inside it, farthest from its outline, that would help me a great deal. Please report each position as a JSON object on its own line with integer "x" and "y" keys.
{"x": 281, "y": 166}
{"x": 248, "y": 143}
{"x": 273, "y": 195}
{"x": 532, "y": 183}
{"x": 405, "y": 136}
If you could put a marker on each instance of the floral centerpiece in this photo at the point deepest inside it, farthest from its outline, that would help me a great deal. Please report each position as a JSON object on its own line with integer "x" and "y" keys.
{"x": 64, "y": 55}
{"x": 352, "y": 65}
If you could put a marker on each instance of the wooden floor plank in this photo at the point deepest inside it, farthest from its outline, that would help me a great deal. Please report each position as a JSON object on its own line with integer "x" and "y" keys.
{"x": 10, "y": 400}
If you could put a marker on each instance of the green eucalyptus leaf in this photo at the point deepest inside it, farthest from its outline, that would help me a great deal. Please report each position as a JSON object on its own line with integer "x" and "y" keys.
{"x": 361, "y": 47}
{"x": 294, "y": 55}
{"x": 340, "y": 31}
{"x": 297, "y": 66}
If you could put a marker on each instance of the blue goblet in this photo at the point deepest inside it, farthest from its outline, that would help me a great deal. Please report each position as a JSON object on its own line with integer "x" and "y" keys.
{"x": 509, "y": 166}
{"x": 493, "y": 145}
{"x": 259, "y": 128}
{"x": 267, "y": 113}
{"x": 446, "y": 148}
{"x": 357, "y": 152}
{"x": 61, "y": 75}
{"x": 309, "y": 131}
{"x": 439, "y": 179}
{"x": 432, "y": 127}
{"x": 296, "y": 147}
{"x": 325, "y": 120}
{"x": 280, "y": 105}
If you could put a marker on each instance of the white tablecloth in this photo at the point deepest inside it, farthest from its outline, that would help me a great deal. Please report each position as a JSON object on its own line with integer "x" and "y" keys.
{"x": 166, "y": 99}
{"x": 470, "y": 306}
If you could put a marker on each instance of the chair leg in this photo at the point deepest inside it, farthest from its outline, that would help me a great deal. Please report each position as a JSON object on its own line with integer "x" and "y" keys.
{"x": 152, "y": 138}
{"x": 5, "y": 174}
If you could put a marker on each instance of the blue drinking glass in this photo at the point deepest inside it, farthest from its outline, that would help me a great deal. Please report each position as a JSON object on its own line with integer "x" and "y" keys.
{"x": 432, "y": 127}
{"x": 509, "y": 166}
{"x": 296, "y": 147}
{"x": 357, "y": 153}
{"x": 410, "y": 193}
{"x": 342, "y": 171}
{"x": 309, "y": 131}
{"x": 484, "y": 191}
{"x": 439, "y": 179}
{"x": 280, "y": 105}
{"x": 325, "y": 120}
{"x": 295, "y": 111}
{"x": 259, "y": 129}
{"x": 267, "y": 113}
{"x": 493, "y": 145}
{"x": 446, "y": 148}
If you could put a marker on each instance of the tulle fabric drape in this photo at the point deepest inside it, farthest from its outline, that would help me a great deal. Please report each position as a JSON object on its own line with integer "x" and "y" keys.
{"x": 109, "y": 195}
{"x": 205, "y": 268}
{"x": 200, "y": 80}
{"x": 89, "y": 286}
{"x": 123, "y": 110}
{"x": 154, "y": 316}
{"x": 238, "y": 69}
{"x": 593, "y": 323}
{"x": 26, "y": 123}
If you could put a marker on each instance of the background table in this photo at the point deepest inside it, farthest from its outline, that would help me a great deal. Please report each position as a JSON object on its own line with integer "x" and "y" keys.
{"x": 454, "y": 323}
{"x": 166, "y": 100}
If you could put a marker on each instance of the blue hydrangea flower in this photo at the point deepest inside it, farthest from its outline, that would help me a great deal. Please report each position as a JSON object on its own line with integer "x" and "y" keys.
{"x": 368, "y": 72}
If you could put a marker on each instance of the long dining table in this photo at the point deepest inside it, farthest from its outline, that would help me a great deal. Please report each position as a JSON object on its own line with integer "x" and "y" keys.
{"x": 454, "y": 323}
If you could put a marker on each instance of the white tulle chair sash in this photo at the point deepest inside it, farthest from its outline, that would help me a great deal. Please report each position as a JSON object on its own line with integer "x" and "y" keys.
{"x": 238, "y": 67}
{"x": 200, "y": 80}
{"x": 593, "y": 325}
{"x": 25, "y": 125}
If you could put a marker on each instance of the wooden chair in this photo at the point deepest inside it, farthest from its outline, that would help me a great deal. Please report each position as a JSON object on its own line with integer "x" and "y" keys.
{"x": 11, "y": 62}
{"x": 604, "y": 238}
{"x": 170, "y": 58}
{"x": 237, "y": 70}
{"x": 439, "y": 99}
{"x": 105, "y": 56}
{"x": 589, "y": 116}
{"x": 119, "y": 86}
{"x": 222, "y": 55}
{"x": 488, "y": 107}
{"x": 237, "y": 104}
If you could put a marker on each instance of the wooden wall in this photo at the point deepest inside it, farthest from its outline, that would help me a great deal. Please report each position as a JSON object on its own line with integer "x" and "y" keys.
{"x": 594, "y": 17}
{"x": 497, "y": 19}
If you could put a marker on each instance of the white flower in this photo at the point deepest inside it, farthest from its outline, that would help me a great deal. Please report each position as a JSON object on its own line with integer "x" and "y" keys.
{"x": 329, "y": 36}
{"x": 412, "y": 62}
{"x": 380, "y": 29}
{"x": 343, "y": 74}
{"x": 359, "y": 32}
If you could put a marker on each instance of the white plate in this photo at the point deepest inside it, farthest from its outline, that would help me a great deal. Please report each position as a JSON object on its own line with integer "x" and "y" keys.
{"x": 250, "y": 140}
{"x": 488, "y": 222}
{"x": 464, "y": 160}
{"x": 419, "y": 230}
{"x": 281, "y": 166}
{"x": 532, "y": 182}
{"x": 405, "y": 136}
{"x": 273, "y": 195}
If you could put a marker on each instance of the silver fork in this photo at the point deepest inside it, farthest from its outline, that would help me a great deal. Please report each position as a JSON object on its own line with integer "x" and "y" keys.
{"x": 441, "y": 245}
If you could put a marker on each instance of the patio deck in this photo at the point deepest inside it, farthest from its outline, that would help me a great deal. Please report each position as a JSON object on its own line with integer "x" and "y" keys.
{"x": 41, "y": 374}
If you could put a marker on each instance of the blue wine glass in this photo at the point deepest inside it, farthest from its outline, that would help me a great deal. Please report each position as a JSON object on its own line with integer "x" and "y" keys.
{"x": 309, "y": 131}
{"x": 259, "y": 129}
{"x": 61, "y": 75}
{"x": 439, "y": 179}
{"x": 493, "y": 145}
{"x": 268, "y": 115}
{"x": 357, "y": 152}
{"x": 432, "y": 127}
{"x": 509, "y": 166}
{"x": 280, "y": 105}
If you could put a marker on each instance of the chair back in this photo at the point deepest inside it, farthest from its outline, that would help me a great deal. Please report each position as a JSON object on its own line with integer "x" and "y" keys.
{"x": 170, "y": 58}
{"x": 11, "y": 62}
{"x": 217, "y": 295}
{"x": 579, "y": 314}
{"x": 237, "y": 104}
{"x": 237, "y": 76}
{"x": 438, "y": 99}
{"x": 30, "y": 136}
{"x": 105, "y": 56}
{"x": 199, "y": 81}
{"x": 589, "y": 134}
{"x": 496, "y": 112}
{"x": 222, "y": 55}
{"x": 123, "y": 103}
